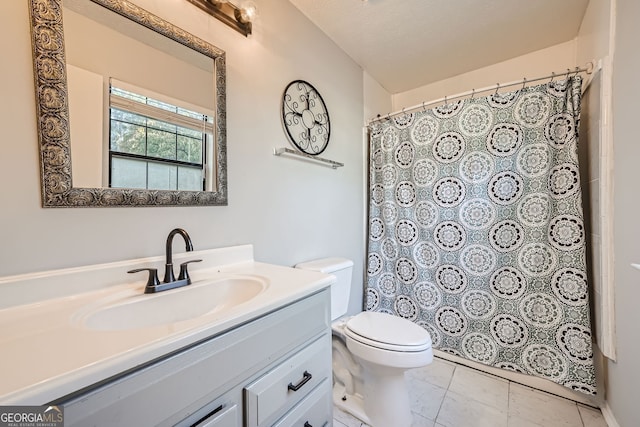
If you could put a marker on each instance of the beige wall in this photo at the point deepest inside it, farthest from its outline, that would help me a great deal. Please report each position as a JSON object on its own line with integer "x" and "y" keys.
{"x": 536, "y": 64}
{"x": 290, "y": 210}
{"x": 376, "y": 99}
{"x": 593, "y": 37}
{"x": 85, "y": 91}
{"x": 624, "y": 374}
{"x": 123, "y": 57}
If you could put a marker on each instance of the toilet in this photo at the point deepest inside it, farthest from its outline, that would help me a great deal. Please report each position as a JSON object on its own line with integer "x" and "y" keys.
{"x": 371, "y": 352}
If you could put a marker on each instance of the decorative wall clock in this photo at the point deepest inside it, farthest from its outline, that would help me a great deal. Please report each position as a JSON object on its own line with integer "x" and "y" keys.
{"x": 305, "y": 117}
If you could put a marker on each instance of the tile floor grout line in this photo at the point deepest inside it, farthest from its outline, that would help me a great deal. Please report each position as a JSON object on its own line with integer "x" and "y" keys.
{"x": 580, "y": 415}
{"x": 446, "y": 390}
{"x": 508, "y": 402}
{"x": 517, "y": 382}
{"x": 435, "y": 420}
{"x": 451, "y": 378}
{"x": 483, "y": 402}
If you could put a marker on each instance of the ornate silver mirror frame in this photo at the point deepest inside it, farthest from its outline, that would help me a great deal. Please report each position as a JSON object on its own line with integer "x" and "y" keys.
{"x": 49, "y": 64}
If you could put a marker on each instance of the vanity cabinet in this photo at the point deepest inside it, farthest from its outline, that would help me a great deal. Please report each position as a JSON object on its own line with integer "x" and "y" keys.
{"x": 272, "y": 370}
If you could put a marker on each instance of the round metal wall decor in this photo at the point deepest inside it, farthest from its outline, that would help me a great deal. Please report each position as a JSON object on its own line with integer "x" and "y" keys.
{"x": 305, "y": 117}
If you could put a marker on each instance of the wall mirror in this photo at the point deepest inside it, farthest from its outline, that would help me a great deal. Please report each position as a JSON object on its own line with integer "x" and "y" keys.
{"x": 131, "y": 109}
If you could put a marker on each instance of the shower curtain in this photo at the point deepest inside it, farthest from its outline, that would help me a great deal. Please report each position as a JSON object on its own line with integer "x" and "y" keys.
{"x": 476, "y": 230}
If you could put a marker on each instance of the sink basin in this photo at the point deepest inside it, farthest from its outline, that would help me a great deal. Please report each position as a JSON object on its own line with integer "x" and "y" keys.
{"x": 132, "y": 309}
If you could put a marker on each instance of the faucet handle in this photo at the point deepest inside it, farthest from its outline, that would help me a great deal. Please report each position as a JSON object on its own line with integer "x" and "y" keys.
{"x": 184, "y": 274}
{"x": 152, "y": 281}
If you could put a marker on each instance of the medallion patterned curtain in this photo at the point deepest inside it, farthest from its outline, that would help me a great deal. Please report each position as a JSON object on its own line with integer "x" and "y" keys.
{"x": 476, "y": 230}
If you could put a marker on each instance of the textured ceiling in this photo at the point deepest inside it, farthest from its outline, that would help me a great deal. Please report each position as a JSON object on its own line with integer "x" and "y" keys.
{"x": 405, "y": 44}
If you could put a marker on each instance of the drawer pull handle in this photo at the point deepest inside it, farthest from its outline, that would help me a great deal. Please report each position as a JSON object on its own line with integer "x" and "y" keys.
{"x": 305, "y": 379}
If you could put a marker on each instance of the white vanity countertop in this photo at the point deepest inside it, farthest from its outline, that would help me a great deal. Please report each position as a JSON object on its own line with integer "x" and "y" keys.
{"x": 45, "y": 354}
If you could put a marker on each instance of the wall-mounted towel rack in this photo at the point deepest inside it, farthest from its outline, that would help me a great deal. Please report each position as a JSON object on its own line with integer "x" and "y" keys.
{"x": 320, "y": 160}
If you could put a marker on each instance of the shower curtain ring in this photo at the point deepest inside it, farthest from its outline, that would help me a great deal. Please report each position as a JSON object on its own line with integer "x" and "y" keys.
{"x": 524, "y": 82}
{"x": 553, "y": 76}
{"x": 445, "y": 101}
{"x": 473, "y": 92}
{"x": 424, "y": 108}
{"x": 568, "y": 71}
{"x": 497, "y": 88}
{"x": 577, "y": 72}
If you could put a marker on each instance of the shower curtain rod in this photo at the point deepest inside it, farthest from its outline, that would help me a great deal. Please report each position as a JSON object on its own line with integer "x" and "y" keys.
{"x": 590, "y": 68}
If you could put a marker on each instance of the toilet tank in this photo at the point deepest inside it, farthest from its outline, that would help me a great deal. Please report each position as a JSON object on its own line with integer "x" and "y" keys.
{"x": 342, "y": 269}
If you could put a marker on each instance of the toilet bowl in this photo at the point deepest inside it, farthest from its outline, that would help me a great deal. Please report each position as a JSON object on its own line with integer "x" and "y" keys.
{"x": 381, "y": 347}
{"x": 371, "y": 352}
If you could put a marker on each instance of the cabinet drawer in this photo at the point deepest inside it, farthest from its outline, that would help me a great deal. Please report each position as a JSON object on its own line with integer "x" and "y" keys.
{"x": 274, "y": 393}
{"x": 314, "y": 410}
{"x": 226, "y": 417}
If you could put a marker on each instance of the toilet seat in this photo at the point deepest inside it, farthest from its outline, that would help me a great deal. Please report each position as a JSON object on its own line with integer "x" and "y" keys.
{"x": 387, "y": 332}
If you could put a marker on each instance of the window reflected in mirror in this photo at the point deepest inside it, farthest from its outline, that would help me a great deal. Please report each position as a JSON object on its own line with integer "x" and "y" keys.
{"x": 157, "y": 144}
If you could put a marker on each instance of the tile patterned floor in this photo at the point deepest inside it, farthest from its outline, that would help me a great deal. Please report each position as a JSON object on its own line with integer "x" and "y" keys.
{"x": 444, "y": 394}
